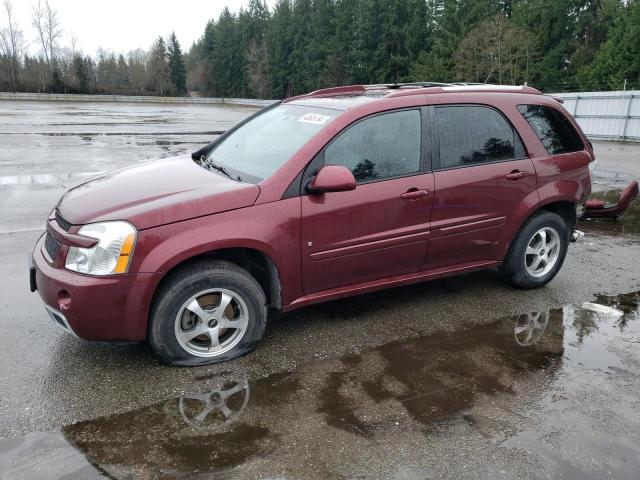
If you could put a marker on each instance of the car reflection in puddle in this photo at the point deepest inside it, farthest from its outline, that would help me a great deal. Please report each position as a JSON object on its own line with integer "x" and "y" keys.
{"x": 417, "y": 385}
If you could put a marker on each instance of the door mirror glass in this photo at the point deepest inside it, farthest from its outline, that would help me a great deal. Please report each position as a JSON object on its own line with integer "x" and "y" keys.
{"x": 332, "y": 178}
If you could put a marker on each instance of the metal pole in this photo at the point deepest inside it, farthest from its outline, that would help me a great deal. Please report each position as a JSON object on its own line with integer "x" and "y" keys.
{"x": 626, "y": 118}
{"x": 575, "y": 107}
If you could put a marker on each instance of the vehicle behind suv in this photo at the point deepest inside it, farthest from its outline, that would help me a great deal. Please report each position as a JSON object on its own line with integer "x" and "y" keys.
{"x": 339, "y": 192}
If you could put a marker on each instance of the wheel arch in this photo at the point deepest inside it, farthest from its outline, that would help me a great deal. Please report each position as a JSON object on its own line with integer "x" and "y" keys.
{"x": 566, "y": 209}
{"x": 563, "y": 206}
{"x": 258, "y": 263}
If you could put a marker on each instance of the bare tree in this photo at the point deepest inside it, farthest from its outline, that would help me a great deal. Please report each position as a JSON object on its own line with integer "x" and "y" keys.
{"x": 496, "y": 50}
{"x": 74, "y": 44}
{"x": 45, "y": 20}
{"x": 11, "y": 44}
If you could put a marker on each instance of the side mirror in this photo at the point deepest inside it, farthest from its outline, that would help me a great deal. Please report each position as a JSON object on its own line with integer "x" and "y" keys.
{"x": 332, "y": 178}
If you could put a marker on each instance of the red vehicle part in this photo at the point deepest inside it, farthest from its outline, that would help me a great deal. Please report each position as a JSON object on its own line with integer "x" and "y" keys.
{"x": 600, "y": 209}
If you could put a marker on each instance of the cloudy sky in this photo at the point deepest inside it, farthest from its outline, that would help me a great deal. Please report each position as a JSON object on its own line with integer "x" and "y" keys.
{"x": 123, "y": 25}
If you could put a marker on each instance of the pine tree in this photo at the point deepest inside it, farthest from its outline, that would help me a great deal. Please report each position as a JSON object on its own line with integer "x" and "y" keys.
{"x": 158, "y": 68}
{"x": 177, "y": 70}
{"x": 81, "y": 74}
{"x": 279, "y": 48}
{"x": 122, "y": 75}
{"x": 302, "y": 72}
{"x": 618, "y": 59}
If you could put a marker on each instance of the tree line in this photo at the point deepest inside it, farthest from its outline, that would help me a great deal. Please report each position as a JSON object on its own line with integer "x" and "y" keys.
{"x": 301, "y": 45}
{"x": 56, "y": 69}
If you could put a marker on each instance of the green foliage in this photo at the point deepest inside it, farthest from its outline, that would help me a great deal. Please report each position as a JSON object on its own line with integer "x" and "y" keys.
{"x": 177, "y": 69}
{"x": 551, "y": 44}
{"x": 302, "y": 45}
{"x": 618, "y": 59}
{"x": 159, "y": 80}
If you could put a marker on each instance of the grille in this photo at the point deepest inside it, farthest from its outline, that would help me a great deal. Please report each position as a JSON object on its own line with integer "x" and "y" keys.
{"x": 62, "y": 223}
{"x": 52, "y": 246}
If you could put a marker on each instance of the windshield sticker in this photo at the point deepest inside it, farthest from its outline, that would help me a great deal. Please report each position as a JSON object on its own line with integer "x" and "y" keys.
{"x": 315, "y": 118}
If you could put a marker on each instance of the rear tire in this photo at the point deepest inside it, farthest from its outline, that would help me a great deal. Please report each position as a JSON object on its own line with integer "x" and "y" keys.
{"x": 537, "y": 252}
{"x": 207, "y": 312}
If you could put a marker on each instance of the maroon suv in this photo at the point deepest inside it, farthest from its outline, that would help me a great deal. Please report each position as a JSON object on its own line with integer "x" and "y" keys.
{"x": 342, "y": 191}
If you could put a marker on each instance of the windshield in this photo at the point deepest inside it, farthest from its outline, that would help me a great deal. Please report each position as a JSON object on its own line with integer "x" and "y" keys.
{"x": 261, "y": 146}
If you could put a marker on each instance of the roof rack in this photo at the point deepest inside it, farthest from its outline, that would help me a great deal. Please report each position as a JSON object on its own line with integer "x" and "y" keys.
{"x": 398, "y": 86}
{"x": 468, "y": 87}
{"x": 416, "y": 88}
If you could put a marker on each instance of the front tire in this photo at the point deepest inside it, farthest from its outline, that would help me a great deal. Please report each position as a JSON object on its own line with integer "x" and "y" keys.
{"x": 537, "y": 252}
{"x": 207, "y": 312}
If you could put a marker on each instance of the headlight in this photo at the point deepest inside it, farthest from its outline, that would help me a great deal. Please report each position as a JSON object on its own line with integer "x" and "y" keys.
{"x": 110, "y": 255}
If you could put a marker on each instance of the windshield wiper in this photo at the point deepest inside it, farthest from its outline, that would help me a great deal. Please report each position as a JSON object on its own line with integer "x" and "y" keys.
{"x": 211, "y": 164}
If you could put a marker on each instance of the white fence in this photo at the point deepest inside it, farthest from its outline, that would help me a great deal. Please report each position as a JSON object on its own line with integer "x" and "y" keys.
{"x": 606, "y": 115}
{"x": 67, "y": 97}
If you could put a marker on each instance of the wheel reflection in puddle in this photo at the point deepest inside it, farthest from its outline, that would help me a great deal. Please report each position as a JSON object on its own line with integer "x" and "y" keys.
{"x": 530, "y": 327}
{"x": 215, "y": 408}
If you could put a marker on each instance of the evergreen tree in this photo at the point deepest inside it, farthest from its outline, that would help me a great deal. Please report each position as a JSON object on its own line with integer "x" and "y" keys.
{"x": 177, "y": 70}
{"x": 122, "y": 74}
{"x": 302, "y": 45}
{"x": 302, "y": 72}
{"x": 226, "y": 58}
{"x": 280, "y": 48}
{"x": 618, "y": 59}
{"x": 57, "y": 80}
{"x": 158, "y": 68}
{"x": 81, "y": 74}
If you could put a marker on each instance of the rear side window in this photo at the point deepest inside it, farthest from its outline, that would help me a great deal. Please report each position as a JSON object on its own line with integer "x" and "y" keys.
{"x": 474, "y": 134}
{"x": 379, "y": 147}
{"x": 552, "y": 128}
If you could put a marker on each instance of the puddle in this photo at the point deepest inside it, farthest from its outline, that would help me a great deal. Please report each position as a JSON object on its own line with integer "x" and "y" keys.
{"x": 46, "y": 178}
{"x": 629, "y": 223}
{"x": 420, "y": 384}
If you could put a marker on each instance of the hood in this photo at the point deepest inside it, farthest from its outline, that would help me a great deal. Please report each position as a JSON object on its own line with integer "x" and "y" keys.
{"x": 155, "y": 193}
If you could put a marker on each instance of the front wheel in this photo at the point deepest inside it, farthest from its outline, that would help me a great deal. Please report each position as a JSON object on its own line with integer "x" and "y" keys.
{"x": 207, "y": 313}
{"x": 538, "y": 251}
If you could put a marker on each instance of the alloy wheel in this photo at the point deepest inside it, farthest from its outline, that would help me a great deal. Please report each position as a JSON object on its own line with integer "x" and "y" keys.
{"x": 211, "y": 322}
{"x": 543, "y": 251}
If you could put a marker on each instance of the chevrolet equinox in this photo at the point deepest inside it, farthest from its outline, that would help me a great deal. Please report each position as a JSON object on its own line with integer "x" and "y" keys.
{"x": 338, "y": 192}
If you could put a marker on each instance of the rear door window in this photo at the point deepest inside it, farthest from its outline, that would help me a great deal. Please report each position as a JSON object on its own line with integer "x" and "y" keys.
{"x": 379, "y": 147}
{"x": 474, "y": 134}
{"x": 552, "y": 128}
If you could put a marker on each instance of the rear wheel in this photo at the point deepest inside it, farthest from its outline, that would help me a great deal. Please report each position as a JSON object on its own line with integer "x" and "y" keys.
{"x": 538, "y": 251}
{"x": 207, "y": 313}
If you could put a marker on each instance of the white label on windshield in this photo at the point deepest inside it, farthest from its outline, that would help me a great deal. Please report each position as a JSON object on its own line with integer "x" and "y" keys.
{"x": 314, "y": 118}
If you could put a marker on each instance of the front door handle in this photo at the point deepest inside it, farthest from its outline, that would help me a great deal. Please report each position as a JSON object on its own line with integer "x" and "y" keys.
{"x": 516, "y": 175}
{"x": 414, "y": 194}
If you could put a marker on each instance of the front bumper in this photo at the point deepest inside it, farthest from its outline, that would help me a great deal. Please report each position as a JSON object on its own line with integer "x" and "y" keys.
{"x": 111, "y": 308}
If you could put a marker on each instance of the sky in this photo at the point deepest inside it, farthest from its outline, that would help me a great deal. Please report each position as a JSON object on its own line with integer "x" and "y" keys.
{"x": 122, "y": 25}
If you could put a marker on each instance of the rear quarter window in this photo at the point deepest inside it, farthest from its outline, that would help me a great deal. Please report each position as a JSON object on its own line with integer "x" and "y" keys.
{"x": 553, "y": 129}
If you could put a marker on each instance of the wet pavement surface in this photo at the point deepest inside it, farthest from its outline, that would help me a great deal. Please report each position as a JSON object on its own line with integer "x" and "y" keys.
{"x": 457, "y": 378}
{"x": 48, "y": 147}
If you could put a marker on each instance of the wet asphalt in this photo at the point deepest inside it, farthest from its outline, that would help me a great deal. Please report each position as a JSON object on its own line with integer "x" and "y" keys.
{"x": 457, "y": 378}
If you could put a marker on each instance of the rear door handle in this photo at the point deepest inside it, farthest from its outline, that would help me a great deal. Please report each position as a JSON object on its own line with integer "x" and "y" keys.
{"x": 414, "y": 194}
{"x": 516, "y": 175}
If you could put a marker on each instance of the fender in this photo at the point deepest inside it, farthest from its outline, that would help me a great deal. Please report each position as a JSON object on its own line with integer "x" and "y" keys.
{"x": 529, "y": 204}
{"x": 508, "y": 236}
{"x": 272, "y": 229}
